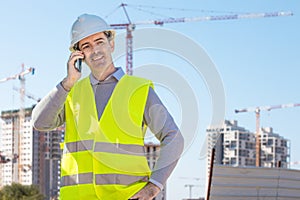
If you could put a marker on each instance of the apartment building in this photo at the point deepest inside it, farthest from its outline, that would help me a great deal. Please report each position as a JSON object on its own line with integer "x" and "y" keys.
{"x": 34, "y": 157}
{"x": 47, "y": 161}
{"x": 234, "y": 145}
{"x": 17, "y": 146}
{"x": 275, "y": 149}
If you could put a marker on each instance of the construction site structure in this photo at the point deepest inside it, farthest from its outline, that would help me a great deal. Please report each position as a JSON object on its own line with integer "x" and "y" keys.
{"x": 19, "y": 124}
{"x": 39, "y": 154}
{"x": 17, "y": 146}
{"x": 28, "y": 95}
{"x": 49, "y": 156}
{"x": 235, "y": 146}
{"x": 130, "y": 26}
{"x": 253, "y": 183}
{"x": 257, "y": 110}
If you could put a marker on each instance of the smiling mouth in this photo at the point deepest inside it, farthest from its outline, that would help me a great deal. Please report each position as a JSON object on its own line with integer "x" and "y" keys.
{"x": 98, "y": 58}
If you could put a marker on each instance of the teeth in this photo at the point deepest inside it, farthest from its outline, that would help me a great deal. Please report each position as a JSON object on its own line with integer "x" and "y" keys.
{"x": 98, "y": 58}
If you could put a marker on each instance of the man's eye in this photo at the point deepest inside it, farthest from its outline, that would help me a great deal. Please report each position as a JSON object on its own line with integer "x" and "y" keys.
{"x": 100, "y": 42}
{"x": 86, "y": 47}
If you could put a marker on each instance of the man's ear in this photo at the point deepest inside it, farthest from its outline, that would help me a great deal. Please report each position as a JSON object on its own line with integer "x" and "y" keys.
{"x": 112, "y": 45}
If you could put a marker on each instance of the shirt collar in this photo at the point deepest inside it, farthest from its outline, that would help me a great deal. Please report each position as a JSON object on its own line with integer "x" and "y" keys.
{"x": 118, "y": 74}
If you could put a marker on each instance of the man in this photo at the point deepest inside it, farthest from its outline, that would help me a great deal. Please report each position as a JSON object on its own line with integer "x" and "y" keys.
{"x": 105, "y": 114}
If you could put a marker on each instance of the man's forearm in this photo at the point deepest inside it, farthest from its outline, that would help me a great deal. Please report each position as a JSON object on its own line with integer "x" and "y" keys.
{"x": 169, "y": 154}
{"x": 161, "y": 123}
{"x": 49, "y": 112}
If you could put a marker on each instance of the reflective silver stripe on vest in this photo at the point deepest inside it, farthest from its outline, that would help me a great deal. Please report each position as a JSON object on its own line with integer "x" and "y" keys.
{"x": 121, "y": 179}
{"x": 102, "y": 179}
{"x": 85, "y": 178}
{"x": 82, "y": 145}
{"x": 131, "y": 149}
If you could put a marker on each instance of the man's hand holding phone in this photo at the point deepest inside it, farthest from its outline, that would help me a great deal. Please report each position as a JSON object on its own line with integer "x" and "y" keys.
{"x": 78, "y": 63}
{"x": 74, "y": 69}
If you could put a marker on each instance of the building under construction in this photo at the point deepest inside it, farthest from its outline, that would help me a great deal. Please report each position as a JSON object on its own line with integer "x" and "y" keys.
{"x": 236, "y": 146}
{"x": 29, "y": 156}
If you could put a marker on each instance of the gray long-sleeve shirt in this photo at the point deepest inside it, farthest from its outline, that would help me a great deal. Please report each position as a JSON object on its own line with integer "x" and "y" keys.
{"x": 49, "y": 114}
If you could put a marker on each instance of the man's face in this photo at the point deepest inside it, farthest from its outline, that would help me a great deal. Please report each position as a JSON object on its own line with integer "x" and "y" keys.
{"x": 97, "y": 51}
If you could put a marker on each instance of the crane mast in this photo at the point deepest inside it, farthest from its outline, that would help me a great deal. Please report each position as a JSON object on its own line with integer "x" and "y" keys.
{"x": 257, "y": 110}
{"x": 257, "y": 138}
{"x": 18, "y": 137}
{"x": 130, "y": 26}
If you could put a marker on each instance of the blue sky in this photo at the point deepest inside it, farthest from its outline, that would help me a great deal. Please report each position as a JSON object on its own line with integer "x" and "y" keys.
{"x": 257, "y": 59}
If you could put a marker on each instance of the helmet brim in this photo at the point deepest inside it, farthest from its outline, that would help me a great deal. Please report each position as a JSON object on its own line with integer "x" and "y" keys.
{"x": 87, "y": 34}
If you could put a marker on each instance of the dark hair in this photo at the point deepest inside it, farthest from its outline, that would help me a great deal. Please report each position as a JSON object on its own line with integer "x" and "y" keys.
{"x": 108, "y": 34}
{"x": 76, "y": 47}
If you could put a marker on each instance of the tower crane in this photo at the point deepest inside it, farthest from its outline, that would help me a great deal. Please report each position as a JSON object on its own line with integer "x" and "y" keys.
{"x": 190, "y": 186}
{"x": 18, "y": 75}
{"x": 28, "y": 95}
{"x": 130, "y": 26}
{"x": 17, "y": 138}
{"x": 257, "y": 114}
{"x": 21, "y": 77}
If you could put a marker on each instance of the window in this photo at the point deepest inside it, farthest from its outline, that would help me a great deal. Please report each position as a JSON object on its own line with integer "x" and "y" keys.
{"x": 249, "y": 145}
{"x": 278, "y": 150}
{"x": 283, "y": 143}
{"x": 269, "y": 157}
{"x": 233, "y": 144}
{"x": 243, "y": 152}
{"x": 233, "y": 161}
{"x": 243, "y": 136}
{"x": 270, "y": 142}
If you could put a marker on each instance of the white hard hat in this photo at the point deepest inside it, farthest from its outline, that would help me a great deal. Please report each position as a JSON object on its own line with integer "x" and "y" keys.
{"x": 87, "y": 25}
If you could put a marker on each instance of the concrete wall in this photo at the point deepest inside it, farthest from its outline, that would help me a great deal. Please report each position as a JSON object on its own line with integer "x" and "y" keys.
{"x": 250, "y": 183}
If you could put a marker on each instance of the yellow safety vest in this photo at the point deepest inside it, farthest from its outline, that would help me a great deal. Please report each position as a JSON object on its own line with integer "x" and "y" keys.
{"x": 105, "y": 159}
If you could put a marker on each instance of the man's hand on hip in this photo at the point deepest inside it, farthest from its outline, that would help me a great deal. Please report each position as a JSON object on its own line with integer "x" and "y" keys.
{"x": 147, "y": 193}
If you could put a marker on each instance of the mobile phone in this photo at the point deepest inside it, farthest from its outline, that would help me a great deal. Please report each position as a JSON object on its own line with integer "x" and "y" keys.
{"x": 78, "y": 63}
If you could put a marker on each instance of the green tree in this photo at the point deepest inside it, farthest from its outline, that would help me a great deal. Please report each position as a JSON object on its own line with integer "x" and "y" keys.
{"x": 17, "y": 191}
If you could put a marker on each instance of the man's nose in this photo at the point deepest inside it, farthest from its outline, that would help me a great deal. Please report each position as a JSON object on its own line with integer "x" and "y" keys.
{"x": 96, "y": 48}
